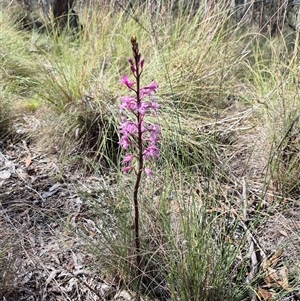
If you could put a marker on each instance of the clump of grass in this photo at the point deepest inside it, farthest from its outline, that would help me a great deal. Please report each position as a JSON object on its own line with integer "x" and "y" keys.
{"x": 75, "y": 86}
{"x": 202, "y": 264}
{"x": 273, "y": 77}
{"x": 188, "y": 246}
{"x": 17, "y": 70}
{"x": 5, "y": 114}
{"x": 18, "y": 66}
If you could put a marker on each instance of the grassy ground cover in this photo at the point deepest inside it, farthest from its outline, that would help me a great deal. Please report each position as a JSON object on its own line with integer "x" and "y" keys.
{"x": 220, "y": 216}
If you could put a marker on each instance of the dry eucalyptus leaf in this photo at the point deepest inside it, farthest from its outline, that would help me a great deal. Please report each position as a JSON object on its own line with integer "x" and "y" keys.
{"x": 27, "y": 161}
{"x": 264, "y": 295}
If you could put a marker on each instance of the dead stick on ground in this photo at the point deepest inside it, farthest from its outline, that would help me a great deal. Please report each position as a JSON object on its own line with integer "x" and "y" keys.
{"x": 252, "y": 252}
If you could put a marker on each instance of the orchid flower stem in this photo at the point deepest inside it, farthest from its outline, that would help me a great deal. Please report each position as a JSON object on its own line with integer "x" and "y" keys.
{"x": 136, "y": 55}
{"x": 138, "y": 138}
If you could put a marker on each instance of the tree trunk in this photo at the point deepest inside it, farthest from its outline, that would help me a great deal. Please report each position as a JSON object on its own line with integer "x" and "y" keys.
{"x": 63, "y": 13}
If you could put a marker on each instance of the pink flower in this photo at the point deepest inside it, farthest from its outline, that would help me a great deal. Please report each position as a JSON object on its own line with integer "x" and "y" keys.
{"x": 129, "y": 103}
{"x": 127, "y": 127}
{"x": 127, "y": 158}
{"x": 155, "y": 129}
{"x": 125, "y": 81}
{"x": 154, "y": 106}
{"x": 148, "y": 90}
{"x": 154, "y": 133}
{"x": 138, "y": 133}
{"x": 124, "y": 142}
{"x": 127, "y": 169}
{"x": 151, "y": 152}
{"x": 148, "y": 172}
{"x": 153, "y": 87}
{"x": 143, "y": 107}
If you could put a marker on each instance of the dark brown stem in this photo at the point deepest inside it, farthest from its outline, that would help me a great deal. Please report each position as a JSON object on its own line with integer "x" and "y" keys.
{"x": 137, "y": 74}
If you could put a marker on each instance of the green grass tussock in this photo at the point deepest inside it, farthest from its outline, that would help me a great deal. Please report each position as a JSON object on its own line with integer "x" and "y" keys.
{"x": 17, "y": 71}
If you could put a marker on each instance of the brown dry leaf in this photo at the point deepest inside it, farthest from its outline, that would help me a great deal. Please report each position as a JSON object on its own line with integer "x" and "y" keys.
{"x": 283, "y": 232}
{"x": 270, "y": 277}
{"x": 264, "y": 295}
{"x": 273, "y": 260}
{"x": 277, "y": 278}
{"x": 27, "y": 161}
{"x": 284, "y": 280}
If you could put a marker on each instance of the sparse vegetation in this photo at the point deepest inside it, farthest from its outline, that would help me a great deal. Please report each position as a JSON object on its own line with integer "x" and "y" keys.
{"x": 220, "y": 215}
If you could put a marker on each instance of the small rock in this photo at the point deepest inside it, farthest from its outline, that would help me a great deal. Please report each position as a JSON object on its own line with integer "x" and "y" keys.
{"x": 124, "y": 296}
